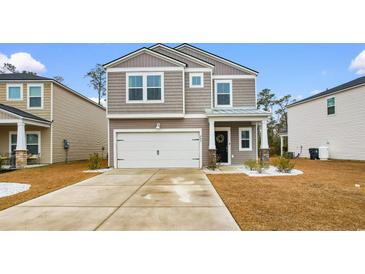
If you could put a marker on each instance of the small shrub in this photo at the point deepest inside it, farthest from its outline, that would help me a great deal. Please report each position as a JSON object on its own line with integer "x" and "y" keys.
{"x": 261, "y": 166}
{"x": 284, "y": 165}
{"x": 95, "y": 161}
{"x": 250, "y": 164}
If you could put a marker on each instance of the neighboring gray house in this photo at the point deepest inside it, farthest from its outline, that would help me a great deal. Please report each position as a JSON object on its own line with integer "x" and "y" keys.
{"x": 181, "y": 107}
{"x": 334, "y": 118}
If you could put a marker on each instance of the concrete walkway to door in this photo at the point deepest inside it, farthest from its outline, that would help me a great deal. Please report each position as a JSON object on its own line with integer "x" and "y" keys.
{"x": 127, "y": 199}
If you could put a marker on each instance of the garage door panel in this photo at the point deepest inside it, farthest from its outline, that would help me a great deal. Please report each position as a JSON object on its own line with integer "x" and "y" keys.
{"x": 162, "y": 149}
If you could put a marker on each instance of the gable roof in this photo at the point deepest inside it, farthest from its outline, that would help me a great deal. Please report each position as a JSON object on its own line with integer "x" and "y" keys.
{"x": 197, "y": 60}
{"x": 354, "y": 83}
{"x": 144, "y": 50}
{"x": 22, "y": 113}
{"x": 219, "y": 58}
{"x": 31, "y": 77}
{"x": 22, "y": 76}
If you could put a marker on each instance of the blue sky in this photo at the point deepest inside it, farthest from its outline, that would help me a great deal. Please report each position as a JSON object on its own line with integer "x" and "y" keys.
{"x": 297, "y": 69}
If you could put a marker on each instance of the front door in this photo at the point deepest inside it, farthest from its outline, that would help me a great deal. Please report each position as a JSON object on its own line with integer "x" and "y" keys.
{"x": 221, "y": 145}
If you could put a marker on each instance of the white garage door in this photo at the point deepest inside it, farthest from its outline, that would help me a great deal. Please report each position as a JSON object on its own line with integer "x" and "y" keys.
{"x": 158, "y": 149}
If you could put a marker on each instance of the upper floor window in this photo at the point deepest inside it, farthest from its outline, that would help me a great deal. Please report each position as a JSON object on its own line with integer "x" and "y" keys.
{"x": 196, "y": 80}
{"x": 35, "y": 96}
{"x": 245, "y": 137}
{"x": 145, "y": 88}
{"x": 331, "y": 106}
{"x": 223, "y": 93}
{"x": 14, "y": 92}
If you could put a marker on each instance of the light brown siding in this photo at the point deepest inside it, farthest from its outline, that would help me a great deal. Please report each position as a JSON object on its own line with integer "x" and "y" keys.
{"x": 45, "y": 140}
{"x": 6, "y": 116}
{"x": 173, "y": 81}
{"x": 22, "y": 105}
{"x": 197, "y": 100}
{"x": 220, "y": 67}
{"x": 188, "y": 61}
{"x": 238, "y": 157}
{"x": 164, "y": 123}
{"x": 243, "y": 92}
{"x": 83, "y": 124}
{"x": 144, "y": 60}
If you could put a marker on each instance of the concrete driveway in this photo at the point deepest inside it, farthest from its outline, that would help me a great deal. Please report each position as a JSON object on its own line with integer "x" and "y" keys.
{"x": 127, "y": 199}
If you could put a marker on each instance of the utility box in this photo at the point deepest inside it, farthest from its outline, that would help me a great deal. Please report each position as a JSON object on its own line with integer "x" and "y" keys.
{"x": 323, "y": 153}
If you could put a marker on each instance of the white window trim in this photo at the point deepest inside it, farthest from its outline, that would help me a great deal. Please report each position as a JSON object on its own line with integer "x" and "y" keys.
{"x": 42, "y": 95}
{"x": 27, "y": 132}
{"x": 333, "y": 114}
{"x": 196, "y": 74}
{"x": 14, "y": 85}
{"x": 249, "y": 129}
{"x": 144, "y": 87}
{"x": 216, "y": 82}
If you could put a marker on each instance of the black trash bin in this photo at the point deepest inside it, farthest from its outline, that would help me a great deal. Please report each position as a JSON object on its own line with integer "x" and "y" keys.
{"x": 314, "y": 153}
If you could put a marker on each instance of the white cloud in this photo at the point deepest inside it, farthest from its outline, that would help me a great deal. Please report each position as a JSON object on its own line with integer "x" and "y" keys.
{"x": 313, "y": 92}
{"x": 358, "y": 64}
{"x": 102, "y": 101}
{"x": 23, "y": 61}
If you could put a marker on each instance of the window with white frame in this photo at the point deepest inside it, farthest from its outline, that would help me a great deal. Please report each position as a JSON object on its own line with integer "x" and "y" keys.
{"x": 35, "y": 96}
{"x": 145, "y": 88}
{"x": 223, "y": 93}
{"x": 14, "y": 92}
{"x": 32, "y": 141}
{"x": 331, "y": 106}
{"x": 245, "y": 138}
{"x": 196, "y": 80}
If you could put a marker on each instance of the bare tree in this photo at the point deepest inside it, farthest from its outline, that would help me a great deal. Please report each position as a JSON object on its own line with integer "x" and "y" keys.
{"x": 8, "y": 68}
{"x": 98, "y": 80}
{"x": 59, "y": 78}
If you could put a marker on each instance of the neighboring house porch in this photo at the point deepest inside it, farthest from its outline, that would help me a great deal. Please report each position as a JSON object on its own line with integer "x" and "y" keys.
{"x": 25, "y": 136}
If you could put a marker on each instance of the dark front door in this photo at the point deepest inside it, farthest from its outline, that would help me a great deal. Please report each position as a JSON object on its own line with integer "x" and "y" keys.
{"x": 221, "y": 145}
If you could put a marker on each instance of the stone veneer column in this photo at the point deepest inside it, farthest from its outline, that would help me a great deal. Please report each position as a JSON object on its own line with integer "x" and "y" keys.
{"x": 21, "y": 148}
{"x": 212, "y": 160}
{"x": 264, "y": 149}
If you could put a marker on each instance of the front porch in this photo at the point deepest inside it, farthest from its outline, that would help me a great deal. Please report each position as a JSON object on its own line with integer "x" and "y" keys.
{"x": 233, "y": 136}
{"x": 25, "y": 139}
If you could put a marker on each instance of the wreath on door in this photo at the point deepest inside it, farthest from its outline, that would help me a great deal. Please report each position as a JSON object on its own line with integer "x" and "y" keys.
{"x": 220, "y": 138}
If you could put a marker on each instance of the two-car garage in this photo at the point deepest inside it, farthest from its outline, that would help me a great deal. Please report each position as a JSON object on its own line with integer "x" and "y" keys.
{"x": 157, "y": 148}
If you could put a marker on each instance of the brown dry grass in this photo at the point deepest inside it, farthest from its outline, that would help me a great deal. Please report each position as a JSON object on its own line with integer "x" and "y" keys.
{"x": 43, "y": 180}
{"x": 323, "y": 198}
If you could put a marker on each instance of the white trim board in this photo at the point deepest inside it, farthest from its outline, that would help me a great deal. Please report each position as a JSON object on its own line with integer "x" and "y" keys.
{"x": 144, "y": 50}
{"x": 145, "y": 69}
{"x": 115, "y": 131}
{"x": 145, "y": 116}
{"x": 234, "y": 77}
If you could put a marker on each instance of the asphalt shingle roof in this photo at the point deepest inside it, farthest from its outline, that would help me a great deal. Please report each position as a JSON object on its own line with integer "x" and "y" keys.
{"x": 22, "y": 113}
{"x": 350, "y": 84}
{"x": 22, "y": 76}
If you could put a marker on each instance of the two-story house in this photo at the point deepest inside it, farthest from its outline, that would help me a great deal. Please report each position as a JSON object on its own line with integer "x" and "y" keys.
{"x": 334, "y": 118}
{"x": 43, "y": 121}
{"x": 181, "y": 107}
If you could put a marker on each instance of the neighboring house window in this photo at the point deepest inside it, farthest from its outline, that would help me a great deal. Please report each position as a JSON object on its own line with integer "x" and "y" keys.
{"x": 223, "y": 94}
{"x": 331, "y": 106}
{"x": 14, "y": 92}
{"x": 196, "y": 80}
{"x": 245, "y": 138}
{"x": 145, "y": 88}
{"x": 32, "y": 139}
{"x": 35, "y": 96}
